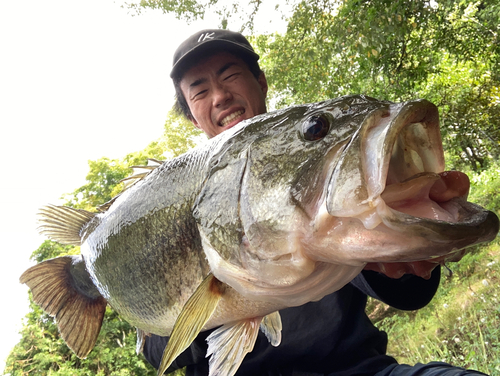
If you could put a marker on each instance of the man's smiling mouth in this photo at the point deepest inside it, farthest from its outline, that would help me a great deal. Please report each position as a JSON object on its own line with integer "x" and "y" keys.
{"x": 231, "y": 117}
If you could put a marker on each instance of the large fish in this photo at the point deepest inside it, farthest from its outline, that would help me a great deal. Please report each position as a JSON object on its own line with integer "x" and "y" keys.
{"x": 281, "y": 210}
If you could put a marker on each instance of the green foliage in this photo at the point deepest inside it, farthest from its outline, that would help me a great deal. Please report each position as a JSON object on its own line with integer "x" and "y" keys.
{"x": 105, "y": 175}
{"x": 485, "y": 187}
{"x": 42, "y": 352}
{"x": 50, "y": 249}
{"x": 446, "y": 51}
{"x": 187, "y": 9}
{"x": 228, "y": 11}
{"x": 467, "y": 96}
{"x": 102, "y": 179}
{"x": 180, "y": 135}
{"x": 461, "y": 325}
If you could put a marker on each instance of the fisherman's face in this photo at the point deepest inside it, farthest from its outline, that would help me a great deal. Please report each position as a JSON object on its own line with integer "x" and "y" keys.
{"x": 221, "y": 92}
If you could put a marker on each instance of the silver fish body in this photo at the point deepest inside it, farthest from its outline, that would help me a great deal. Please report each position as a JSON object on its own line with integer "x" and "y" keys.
{"x": 280, "y": 210}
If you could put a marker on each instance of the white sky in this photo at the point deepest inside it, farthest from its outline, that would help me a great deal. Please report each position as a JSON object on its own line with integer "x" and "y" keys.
{"x": 78, "y": 81}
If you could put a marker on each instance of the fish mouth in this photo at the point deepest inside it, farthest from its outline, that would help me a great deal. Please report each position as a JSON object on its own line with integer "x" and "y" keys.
{"x": 391, "y": 177}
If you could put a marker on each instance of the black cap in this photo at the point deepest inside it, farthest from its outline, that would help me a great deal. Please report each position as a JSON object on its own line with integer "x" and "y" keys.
{"x": 210, "y": 39}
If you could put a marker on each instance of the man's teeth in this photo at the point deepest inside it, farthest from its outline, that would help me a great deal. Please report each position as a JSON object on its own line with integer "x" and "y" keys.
{"x": 228, "y": 118}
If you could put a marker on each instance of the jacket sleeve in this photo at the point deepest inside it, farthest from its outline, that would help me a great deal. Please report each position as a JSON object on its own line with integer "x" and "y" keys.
{"x": 406, "y": 293}
{"x": 193, "y": 355}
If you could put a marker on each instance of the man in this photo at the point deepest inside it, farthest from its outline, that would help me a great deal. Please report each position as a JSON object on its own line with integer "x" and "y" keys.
{"x": 219, "y": 83}
{"x": 224, "y": 88}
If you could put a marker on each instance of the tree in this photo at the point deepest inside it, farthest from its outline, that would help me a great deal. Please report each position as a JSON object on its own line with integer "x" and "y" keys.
{"x": 105, "y": 175}
{"x": 41, "y": 351}
{"x": 447, "y": 51}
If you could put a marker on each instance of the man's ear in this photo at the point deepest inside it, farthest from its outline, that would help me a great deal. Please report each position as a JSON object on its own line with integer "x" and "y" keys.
{"x": 263, "y": 83}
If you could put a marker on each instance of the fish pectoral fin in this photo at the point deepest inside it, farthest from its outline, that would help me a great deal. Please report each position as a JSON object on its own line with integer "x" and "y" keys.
{"x": 193, "y": 317}
{"x": 229, "y": 344}
{"x": 271, "y": 327}
{"x": 63, "y": 288}
{"x": 63, "y": 223}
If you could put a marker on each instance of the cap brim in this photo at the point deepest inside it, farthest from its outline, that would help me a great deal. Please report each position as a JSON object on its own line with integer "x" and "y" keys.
{"x": 190, "y": 58}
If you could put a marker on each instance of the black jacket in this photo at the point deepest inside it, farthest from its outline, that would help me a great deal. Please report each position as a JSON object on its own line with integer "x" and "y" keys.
{"x": 333, "y": 336}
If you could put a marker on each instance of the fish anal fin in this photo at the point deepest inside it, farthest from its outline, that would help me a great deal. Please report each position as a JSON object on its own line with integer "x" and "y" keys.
{"x": 141, "y": 337}
{"x": 193, "y": 317}
{"x": 60, "y": 287}
{"x": 63, "y": 223}
{"x": 271, "y": 326}
{"x": 229, "y": 344}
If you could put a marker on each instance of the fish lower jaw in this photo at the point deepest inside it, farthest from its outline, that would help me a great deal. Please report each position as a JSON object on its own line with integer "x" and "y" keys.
{"x": 386, "y": 234}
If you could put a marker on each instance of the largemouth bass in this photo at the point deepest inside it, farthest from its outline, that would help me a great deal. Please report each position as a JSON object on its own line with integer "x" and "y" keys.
{"x": 278, "y": 211}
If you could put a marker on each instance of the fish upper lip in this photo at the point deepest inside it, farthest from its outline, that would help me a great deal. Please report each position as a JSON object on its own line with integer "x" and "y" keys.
{"x": 227, "y": 113}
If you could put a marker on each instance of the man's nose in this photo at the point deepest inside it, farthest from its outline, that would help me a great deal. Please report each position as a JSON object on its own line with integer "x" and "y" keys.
{"x": 221, "y": 95}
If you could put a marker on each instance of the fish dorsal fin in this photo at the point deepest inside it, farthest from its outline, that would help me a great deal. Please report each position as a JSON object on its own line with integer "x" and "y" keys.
{"x": 63, "y": 224}
{"x": 229, "y": 344}
{"x": 271, "y": 327}
{"x": 63, "y": 288}
{"x": 138, "y": 174}
{"x": 193, "y": 317}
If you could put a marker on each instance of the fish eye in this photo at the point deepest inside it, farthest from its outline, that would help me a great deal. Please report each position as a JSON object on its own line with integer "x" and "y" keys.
{"x": 315, "y": 128}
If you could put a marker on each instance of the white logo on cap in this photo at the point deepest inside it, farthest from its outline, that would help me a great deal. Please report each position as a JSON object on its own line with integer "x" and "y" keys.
{"x": 203, "y": 37}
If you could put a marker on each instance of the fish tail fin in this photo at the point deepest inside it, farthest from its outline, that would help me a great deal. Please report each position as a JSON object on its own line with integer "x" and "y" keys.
{"x": 229, "y": 344}
{"x": 63, "y": 224}
{"x": 63, "y": 288}
{"x": 194, "y": 315}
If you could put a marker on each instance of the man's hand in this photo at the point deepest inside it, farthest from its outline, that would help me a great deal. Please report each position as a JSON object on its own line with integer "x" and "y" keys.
{"x": 398, "y": 269}
{"x": 419, "y": 268}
